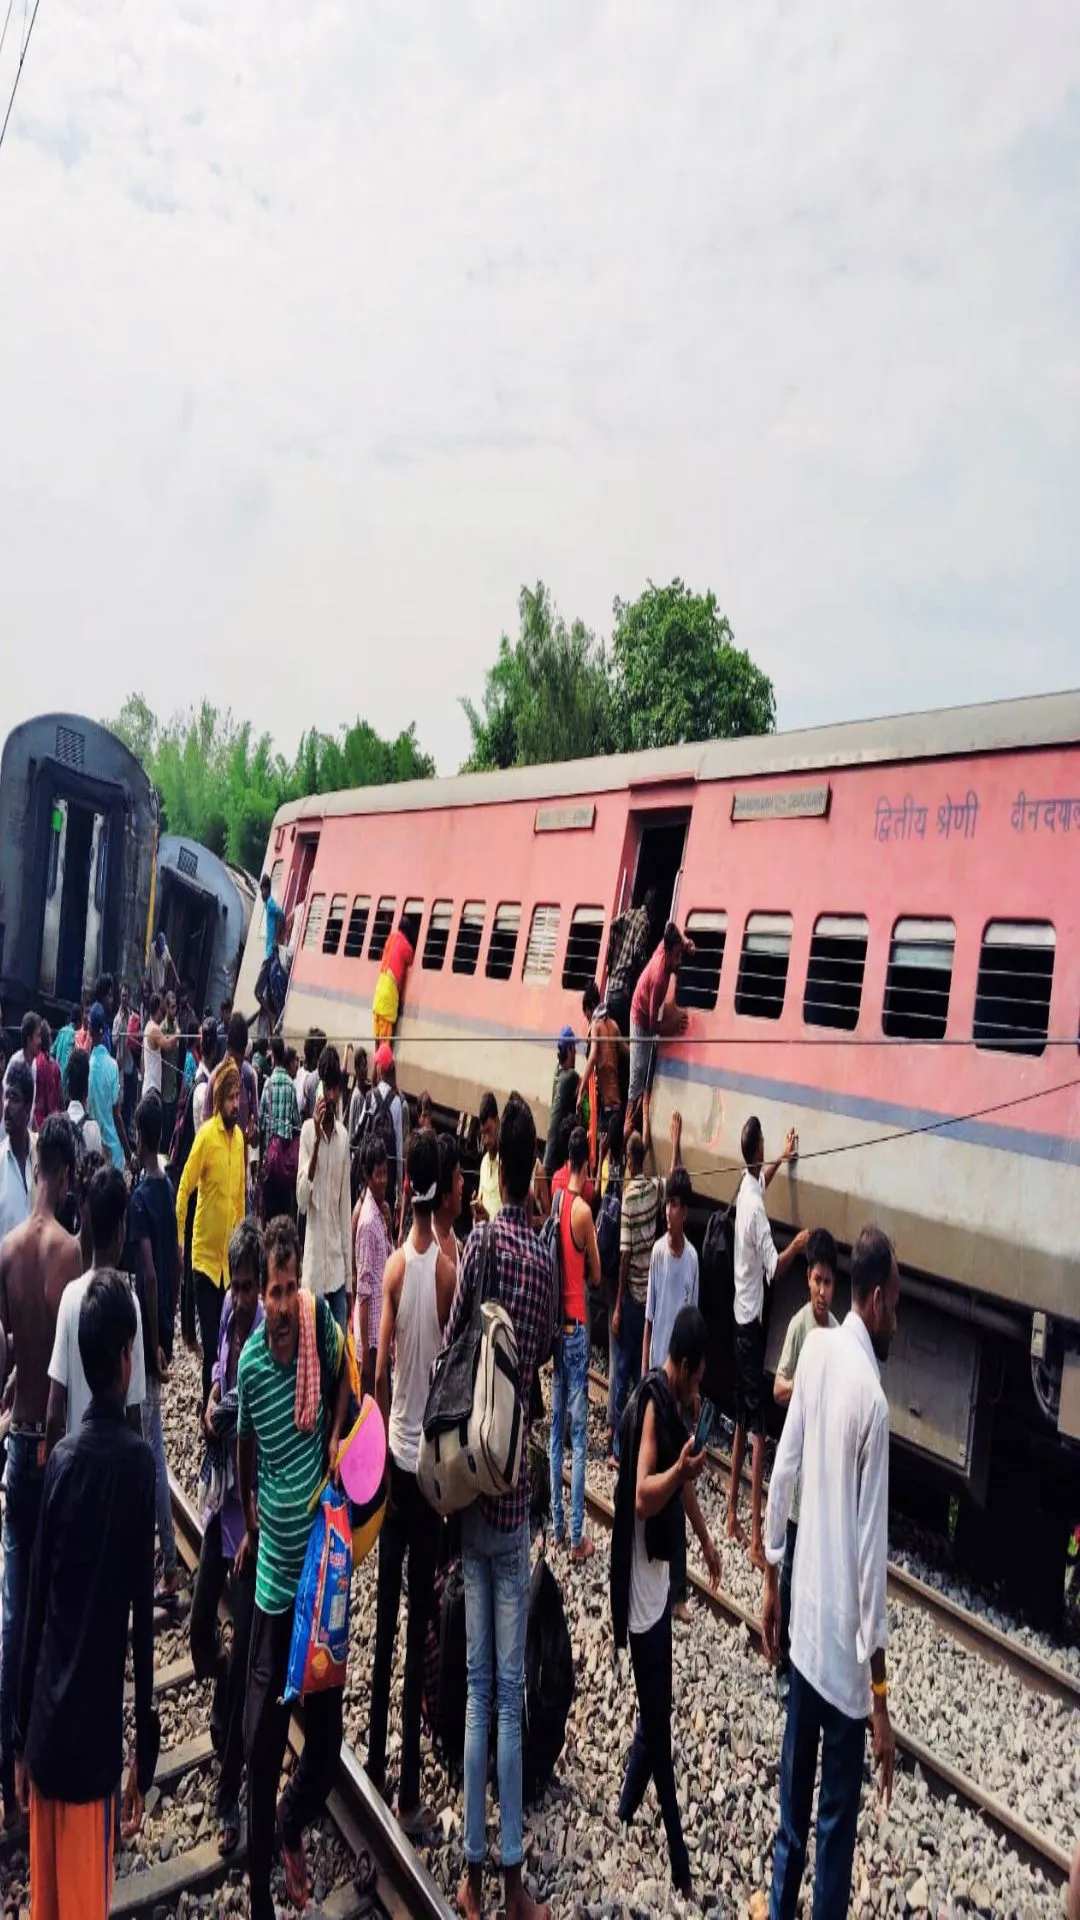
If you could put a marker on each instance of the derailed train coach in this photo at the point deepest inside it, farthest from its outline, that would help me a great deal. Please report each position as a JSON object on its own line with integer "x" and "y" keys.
{"x": 887, "y": 924}
{"x": 203, "y": 907}
{"x": 78, "y": 852}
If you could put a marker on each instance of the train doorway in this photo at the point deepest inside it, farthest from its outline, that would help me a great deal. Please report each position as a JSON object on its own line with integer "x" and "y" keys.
{"x": 74, "y": 899}
{"x": 187, "y": 917}
{"x": 661, "y": 845}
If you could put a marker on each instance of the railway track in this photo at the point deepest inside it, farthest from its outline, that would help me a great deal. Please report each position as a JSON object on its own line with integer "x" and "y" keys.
{"x": 1029, "y": 1666}
{"x": 390, "y": 1882}
{"x": 1036, "y": 1848}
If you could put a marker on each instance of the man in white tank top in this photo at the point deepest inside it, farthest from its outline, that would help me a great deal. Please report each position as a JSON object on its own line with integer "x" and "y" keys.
{"x": 418, "y": 1289}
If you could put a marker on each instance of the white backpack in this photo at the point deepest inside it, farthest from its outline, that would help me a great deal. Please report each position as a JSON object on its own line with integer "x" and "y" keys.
{"x": 474, "y": 1430}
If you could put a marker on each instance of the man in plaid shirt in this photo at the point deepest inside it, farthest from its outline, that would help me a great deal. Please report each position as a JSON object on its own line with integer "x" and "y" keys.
{"x": 495, "y": 1533}
{"x": 630, "y": 943}
{"x": 279, "y": 1117}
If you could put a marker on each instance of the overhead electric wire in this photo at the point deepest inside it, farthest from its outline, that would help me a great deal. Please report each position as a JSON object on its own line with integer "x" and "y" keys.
{"x": 19, "y": 68}
{"x": 3, "y": 30}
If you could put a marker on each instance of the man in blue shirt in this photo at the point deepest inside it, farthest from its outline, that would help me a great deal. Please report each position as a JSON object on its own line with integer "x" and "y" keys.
{"x": 277, "y": 931}
{"x": 103, "y": 1099}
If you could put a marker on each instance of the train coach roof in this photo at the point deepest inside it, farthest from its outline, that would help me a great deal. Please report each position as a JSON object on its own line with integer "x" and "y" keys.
{"x": 1000, "y": 726}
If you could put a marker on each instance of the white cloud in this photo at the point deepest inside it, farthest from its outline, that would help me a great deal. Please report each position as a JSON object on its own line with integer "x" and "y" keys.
{"x": 323, "y": 328}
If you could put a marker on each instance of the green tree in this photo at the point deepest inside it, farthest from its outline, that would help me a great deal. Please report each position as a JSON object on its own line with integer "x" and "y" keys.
{"x": 678, "y": 675}
{"x": 547, "y": 697}
{"x": 221, "y": 786}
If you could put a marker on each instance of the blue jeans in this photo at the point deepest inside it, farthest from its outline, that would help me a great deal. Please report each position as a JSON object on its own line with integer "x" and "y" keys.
{"x": 628, "y": 1356}
{"x": 811, "y": 1719}
{"x": 496, "y": 1569}
{"x": 338, "y": 1303}
{"x": 150, "y": 1415}
{"x": 25, "y": 1481}
{"x": 786, "y": 1572}
{"x": 569, "y": 1389}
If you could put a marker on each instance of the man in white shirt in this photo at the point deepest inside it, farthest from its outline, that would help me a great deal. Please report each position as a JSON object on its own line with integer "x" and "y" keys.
{"x": 837, "y": 1436}
{"x": 821, "y": 1264}
{"x": 323, "y": 1194}
{"x": 87, "y": 1131}
{"x": 757, "y": 1265}
{"x": 69, "y": 1390}
{"x": 156, "y": 1045}
{"x": 16, "y": 1148}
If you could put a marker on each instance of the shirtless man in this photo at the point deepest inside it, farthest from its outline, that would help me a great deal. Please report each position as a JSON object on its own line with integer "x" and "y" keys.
{"x": 37, "y": 1260}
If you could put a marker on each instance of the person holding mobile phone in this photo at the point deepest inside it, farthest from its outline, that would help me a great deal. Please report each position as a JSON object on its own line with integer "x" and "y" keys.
{"x": 657, "y": 1469}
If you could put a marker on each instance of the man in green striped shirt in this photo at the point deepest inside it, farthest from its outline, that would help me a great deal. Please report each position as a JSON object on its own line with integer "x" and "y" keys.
{"x": 291, "y": 1465}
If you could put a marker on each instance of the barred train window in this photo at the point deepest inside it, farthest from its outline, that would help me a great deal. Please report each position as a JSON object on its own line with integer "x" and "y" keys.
{"x": 469, "y": 935}
{"x": 356, "y": 931}
{"x": 697, "y": 982}
{"x": 503, "y": 944}
{"x": 919, "y": 980}
{"x": 335, "y": 920}
{"x": 438, "y": 934}
{"x": 540, "y": 952}
{"x": 763, "y": 965}
{"x": 834, "y": 977}
{"x": 313, "y": 928}
{"x": 583, "y": 946}
{"x": 1012, "y": 997}
{"x": 382, "y": 926}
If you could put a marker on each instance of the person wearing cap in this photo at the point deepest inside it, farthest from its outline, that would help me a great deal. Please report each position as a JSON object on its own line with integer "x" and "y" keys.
{"x": 103, "y": 1097}
{"x": 564, "y": 1093}
{"x": 386, "y": 1090}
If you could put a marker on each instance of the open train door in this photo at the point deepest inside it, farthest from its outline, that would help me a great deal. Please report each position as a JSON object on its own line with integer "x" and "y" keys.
{"x": 71, "y": 934}
{"x": 653, "y": 851}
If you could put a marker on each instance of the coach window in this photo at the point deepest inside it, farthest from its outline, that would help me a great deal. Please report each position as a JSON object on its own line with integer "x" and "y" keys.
{"x": 382, "y": 926}
{"x": 763, "y": 966}
{"x": 697, "y": 982}
{"x": 316, "y": 914}
{"x": 438, "y": 934}
{"x": 1012, "y": 997}
{"x": 919, "y": 980}
{"x": 834, "y": 977}
{"x": 469, "y": 935}
{"x": 335, "y": 920}
{"x": 504, "y": 939}
{"x": 356, "y": 931}
{"x": 583, "y": 946}
{"x": 540, "y": 952}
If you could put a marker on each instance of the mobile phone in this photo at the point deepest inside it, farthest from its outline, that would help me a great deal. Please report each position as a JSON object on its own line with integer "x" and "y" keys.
{"x": 705, "y": 1422}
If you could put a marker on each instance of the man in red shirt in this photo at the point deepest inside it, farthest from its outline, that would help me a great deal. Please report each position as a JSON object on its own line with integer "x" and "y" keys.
{"x": 398, "y": 956}
{"x": 48, "y": 1096}
{"x": 653, "y": 1014}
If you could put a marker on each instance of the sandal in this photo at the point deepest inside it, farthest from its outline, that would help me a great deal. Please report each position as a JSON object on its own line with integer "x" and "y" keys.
{"x": 294, "y": 1861}
{"x": 228, "y": 1828}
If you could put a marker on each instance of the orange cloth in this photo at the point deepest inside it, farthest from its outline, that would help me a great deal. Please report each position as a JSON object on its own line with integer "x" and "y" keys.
{"x": 306, "y": 1402}
{"x": 382, "y": 1028}
{"x": 71, "y": 1859}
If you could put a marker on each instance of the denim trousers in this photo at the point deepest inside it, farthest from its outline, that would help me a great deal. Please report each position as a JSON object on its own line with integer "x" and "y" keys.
{"x": 569, "y": 1390}
{"x": 25, "y": 1481}
{"x": 650, "y": 1755}
{"x": 496, "y": 1569}
{"x": 810, "y": 1721}
{"x": 628, "y": 1356}
{"x": 150, "y": 1415}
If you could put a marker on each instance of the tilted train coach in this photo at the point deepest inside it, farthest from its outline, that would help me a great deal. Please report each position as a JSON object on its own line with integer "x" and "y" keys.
{"x": 886, "y": 920}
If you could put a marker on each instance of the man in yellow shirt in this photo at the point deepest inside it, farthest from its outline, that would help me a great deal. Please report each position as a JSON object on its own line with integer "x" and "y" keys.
{"x": 215, "y": 1173}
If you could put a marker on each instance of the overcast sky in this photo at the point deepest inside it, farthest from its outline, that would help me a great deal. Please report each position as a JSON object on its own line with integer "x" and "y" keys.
{"x": 323, "y": 326}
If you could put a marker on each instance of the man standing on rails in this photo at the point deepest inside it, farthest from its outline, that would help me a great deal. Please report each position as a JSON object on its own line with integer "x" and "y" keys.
{"x": 495, "y": 1533}
{"x": 322, "y": 1194}
{"x": 37, "y": 1260}
{"x": 16, "y": 1152}
{"x": 416, "y": 1296}
{"x": 570, "y": 1366}
{"x": 757, "y": 1265}
{"x": 93, "y": 1567}
{"x": 215, "y": 1171}
{"x": 821, "y": 1263}
{"x": 285, "y": 1421}
{"x": 837, "y": 1434}
{"x": 103, "y": 1099}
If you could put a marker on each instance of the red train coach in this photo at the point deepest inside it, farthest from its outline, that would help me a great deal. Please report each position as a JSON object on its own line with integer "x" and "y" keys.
{"x": 886, "y": 923}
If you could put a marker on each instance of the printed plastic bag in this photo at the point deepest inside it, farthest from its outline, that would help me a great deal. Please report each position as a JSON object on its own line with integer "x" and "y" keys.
{"x": 320, "y": 1639}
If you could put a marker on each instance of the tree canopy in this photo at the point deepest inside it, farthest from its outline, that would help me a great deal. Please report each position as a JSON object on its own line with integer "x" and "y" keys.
{"x": 671, "y": 672}
{"x": 222, "y": 786}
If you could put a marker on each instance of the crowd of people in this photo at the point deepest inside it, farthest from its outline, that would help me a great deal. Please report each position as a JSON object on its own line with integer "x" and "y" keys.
{"x": 295, "y": 1215}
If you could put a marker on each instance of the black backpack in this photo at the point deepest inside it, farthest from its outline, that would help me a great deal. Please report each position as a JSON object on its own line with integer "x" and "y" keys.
{"x": 377, "y": 1122}
{"x": 718, "y": 1263}
{"x": 549, "y": 1681}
